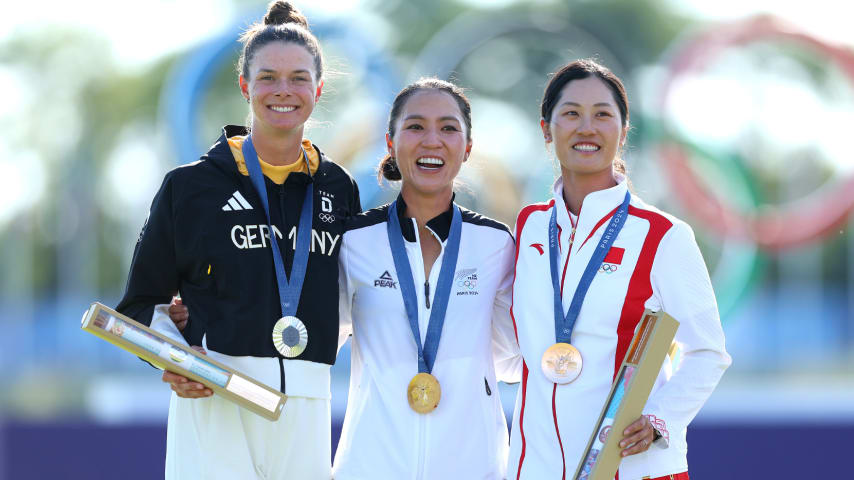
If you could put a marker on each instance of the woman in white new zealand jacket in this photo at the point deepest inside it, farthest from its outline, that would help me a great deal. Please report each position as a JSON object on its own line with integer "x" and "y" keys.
{"x": 387, "y": 434}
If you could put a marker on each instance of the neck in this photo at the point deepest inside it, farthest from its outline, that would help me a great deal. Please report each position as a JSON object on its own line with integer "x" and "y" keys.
{"x": 424, "y": 207}
{"x": 577, "y": 186}
{"x": 277, "y": 148}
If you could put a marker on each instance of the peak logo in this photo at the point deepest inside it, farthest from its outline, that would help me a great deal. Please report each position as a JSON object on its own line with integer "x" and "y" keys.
{"x": 385, "y": 280}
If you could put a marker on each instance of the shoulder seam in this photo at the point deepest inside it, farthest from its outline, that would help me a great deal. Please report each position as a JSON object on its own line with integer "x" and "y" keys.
{"x": 368, "y": 218}
{"x": 474, "y": 218}
{"x": 527, "y": 211}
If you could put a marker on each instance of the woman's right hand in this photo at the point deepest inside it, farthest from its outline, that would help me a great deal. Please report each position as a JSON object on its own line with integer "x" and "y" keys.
{"x": 185, "y": 387}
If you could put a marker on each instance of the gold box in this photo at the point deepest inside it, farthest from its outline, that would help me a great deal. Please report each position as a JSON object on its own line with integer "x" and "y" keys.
{"x": 629, "y": 394}
{"x": 166, "y": 354}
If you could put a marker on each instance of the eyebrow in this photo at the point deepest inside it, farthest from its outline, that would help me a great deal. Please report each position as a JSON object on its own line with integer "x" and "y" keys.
{"x": 600, "y": 104}
{"x": 270, "y": 70}
{"x": 421, "y": 117}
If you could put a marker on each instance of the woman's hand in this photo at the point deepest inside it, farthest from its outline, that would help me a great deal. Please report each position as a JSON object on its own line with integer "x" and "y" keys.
{"x": 179, "y": 314}
{"x": 185, "y": 387}
{"x": 637, "y": 437}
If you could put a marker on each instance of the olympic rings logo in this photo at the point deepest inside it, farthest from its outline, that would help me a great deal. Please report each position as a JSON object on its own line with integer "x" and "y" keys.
{"x": 326, "y": 217}
{"x": 608, "y": 268}
{"x": 467, "y": 283}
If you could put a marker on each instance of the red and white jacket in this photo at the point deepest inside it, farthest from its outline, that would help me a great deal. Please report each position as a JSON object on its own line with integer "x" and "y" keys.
{"x": 654, "y": 263}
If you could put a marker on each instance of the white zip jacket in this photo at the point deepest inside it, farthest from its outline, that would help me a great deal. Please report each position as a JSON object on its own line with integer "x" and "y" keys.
{"x": 654, "y": 263}
{"x": 466, "y": 436}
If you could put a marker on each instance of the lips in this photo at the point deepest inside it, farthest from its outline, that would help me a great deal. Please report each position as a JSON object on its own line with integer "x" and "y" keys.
{"x": 430, "y": 162}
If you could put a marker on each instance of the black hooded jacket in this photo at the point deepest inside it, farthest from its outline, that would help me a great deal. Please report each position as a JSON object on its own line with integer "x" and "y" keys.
{"x": 203, "y": 240}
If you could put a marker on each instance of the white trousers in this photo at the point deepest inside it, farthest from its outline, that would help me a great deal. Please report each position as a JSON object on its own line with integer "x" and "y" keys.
{"x": 213, "y": 438}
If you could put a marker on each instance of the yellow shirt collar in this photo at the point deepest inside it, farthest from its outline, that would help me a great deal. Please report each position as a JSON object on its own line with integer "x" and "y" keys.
{"x": 277, "y": 173}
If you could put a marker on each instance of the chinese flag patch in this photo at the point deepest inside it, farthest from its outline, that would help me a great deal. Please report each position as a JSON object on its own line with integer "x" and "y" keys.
{"x": 615, "y": 255}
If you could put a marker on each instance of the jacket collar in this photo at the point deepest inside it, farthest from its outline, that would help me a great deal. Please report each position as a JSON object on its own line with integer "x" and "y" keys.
{"x": 595, "y": 206}
{"x": 220, "y": 155}
{"x": 440, "y": 224}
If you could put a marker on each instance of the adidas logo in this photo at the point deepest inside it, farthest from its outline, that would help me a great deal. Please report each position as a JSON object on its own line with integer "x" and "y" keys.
{"x": 236, "y": 202}
{"x": 385, "y": 280}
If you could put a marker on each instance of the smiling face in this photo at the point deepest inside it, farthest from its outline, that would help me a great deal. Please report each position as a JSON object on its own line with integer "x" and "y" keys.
{"x": 585, "y": 128}
{"x": 430, "y": 143}
{"x": 282, "y": 88}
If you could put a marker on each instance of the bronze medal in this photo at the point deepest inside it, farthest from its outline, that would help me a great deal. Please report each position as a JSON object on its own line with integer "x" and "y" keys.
{"x": 561, "y": 363}
{"x": 423, "y": 393}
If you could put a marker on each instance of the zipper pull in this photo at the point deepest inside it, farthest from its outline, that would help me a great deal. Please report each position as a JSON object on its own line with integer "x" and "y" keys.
{"x": 427, "y": 293}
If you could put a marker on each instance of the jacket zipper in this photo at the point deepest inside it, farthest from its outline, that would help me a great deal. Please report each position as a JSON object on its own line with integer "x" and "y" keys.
{"x": 427, "y": 293}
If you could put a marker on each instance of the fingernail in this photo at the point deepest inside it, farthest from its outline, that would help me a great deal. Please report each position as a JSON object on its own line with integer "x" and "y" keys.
{"x": 622, "y": 444}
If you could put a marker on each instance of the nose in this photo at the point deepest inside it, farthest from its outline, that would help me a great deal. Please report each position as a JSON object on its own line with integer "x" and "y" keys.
{"x": 586, "y": 125}
{"x": 283, "y": 88}
{"x": 431, "y": 138}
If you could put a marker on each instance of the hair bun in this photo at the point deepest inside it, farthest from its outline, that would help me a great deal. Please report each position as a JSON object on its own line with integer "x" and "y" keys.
{"x": 280, "y": 12}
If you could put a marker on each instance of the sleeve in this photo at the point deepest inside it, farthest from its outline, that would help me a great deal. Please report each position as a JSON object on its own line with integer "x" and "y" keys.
{"x": 681, "y": 282}
{"x": 506, "y": 354}
{"x": 153, "y": 277}
{"x": 345, "y": 297}
{"x": 162, "y": 323}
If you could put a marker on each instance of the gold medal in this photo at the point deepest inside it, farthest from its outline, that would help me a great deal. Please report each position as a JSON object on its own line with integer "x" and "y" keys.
{"x": 290, "y": 336}
{"x": 423, "y": 393}
{"x": 561, "y": 363}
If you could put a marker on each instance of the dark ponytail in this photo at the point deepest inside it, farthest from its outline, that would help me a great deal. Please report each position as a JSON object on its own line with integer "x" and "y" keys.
{"x": 388, "y": 169}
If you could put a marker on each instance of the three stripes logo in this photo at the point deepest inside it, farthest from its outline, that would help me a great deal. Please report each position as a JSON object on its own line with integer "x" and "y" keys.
{"x": 236, "y": 202}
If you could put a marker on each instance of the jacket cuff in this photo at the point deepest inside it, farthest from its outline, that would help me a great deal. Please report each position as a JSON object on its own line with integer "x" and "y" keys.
{"x": 662, "y": 436}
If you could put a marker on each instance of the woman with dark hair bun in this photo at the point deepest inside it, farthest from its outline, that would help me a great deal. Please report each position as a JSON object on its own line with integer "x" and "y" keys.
{"x": 249, "y": 236}
{"x": 607, "y": 257}
{"x": 426, "y": 293}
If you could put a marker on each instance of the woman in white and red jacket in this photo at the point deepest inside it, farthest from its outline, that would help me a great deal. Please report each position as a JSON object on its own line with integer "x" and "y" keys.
{"x": 652, "y": 261}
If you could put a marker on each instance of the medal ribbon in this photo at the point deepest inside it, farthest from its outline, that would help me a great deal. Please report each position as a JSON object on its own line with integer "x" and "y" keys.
{"x": 427, "y": 352}
{"x": 289, "y": 291}
{"x": 565, "y": 324}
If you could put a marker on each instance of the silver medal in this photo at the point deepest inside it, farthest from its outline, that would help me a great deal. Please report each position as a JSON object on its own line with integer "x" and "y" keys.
{"x": 290, "y": 336}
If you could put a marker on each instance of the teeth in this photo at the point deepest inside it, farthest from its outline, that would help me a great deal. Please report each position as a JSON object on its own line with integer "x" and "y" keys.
{"x": 431, "y": 161}
{"x": 586, "y": 147}
{"x": 283, "y": 109}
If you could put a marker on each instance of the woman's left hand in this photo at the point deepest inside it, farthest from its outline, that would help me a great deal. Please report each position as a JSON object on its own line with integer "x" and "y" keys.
{"x": 637, "y": 437}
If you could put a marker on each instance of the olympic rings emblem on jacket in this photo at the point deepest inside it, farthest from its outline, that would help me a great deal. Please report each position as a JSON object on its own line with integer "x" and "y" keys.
{"x": 608, "y": 268}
